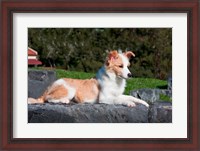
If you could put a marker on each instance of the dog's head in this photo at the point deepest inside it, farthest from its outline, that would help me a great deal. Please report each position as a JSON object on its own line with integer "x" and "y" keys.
{"x": 119, "y": 63}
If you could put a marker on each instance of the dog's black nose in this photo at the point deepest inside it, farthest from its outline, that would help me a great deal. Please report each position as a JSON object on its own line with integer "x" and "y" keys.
{"x": 129, "y": 75}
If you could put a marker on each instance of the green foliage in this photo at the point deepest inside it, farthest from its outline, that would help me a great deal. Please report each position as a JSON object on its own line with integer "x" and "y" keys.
{"x": 73, "y": 74}
{"x": 85, "y": 49}
{"x": 165, "y": 98}
{"x": 139, "y": 83}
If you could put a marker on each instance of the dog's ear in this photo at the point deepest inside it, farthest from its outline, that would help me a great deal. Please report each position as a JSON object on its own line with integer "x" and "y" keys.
{"x": 129, "y": 54}
{"x": 112, "y": 56}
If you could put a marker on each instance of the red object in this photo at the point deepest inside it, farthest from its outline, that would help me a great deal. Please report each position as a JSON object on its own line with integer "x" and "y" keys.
{"x": 34, "y": 62}
{"x": 32, "y": 52}
{"x": 32, "y": 57}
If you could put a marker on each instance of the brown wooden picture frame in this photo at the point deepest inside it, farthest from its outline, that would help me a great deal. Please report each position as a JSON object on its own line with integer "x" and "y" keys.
{"x": 8, "y": 7}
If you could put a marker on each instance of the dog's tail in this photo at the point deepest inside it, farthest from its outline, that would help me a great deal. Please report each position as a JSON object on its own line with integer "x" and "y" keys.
{"x": 40, "y": 100}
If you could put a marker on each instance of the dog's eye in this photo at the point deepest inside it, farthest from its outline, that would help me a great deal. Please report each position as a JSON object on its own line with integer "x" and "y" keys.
{"x": 121, "y": 66}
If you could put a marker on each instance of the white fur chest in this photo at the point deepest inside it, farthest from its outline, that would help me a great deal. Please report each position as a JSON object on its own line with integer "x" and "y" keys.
{"x": 111, "y": 86}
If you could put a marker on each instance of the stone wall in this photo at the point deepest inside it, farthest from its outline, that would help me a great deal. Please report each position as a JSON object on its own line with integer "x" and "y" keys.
{"x": 38, "y": 81}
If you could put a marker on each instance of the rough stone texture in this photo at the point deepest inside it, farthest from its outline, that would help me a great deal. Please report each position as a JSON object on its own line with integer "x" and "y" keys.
{"x": 150, "y": 95}
{"x": 160, "y": 112}
{"x": 38, "y": 81}
{"x": 169, "y": 82}
{"x": 86, "y": 113}
{"x": 166, "y": 92}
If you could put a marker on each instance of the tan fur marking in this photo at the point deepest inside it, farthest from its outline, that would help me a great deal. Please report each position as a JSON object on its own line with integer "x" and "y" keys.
{"x": 34, "y": 101}
{"x": 56, "y": 92}
{"x": 114, "y": 62}
{"x": 129, "y": 54}
{"x": 86, "y": 90}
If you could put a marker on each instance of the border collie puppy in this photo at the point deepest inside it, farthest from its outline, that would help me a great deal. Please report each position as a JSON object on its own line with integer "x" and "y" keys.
{"x": 107, "y": 87}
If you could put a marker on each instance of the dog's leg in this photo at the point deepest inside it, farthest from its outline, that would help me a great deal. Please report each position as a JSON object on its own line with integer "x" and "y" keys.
{"x": 116, "y": 100}
{"x": 124, "y": 101}
{"x": 136, "y": 100}
{"x": 129, "y": 101}
{"x": 60, "y": 94}
{"x": 35, "y": 101}
{"x": 60, "y": 100}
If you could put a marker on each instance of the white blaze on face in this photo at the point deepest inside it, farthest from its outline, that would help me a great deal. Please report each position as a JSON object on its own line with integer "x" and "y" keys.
{"x": 125, "y": 70}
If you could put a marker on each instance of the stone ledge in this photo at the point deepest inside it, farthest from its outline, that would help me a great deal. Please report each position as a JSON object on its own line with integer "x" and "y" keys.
{"x": 86, "y": 113}
{"x": 160, "y": 112}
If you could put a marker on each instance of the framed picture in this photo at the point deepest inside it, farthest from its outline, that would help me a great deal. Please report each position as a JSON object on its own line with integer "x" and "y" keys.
{"x": 81, "y": 53}
{"x": 177, "y": 21}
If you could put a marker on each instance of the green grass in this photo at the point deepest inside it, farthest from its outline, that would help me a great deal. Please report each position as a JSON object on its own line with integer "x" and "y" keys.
{"x": 73, "y": 74}
{"x": 139, "y": 83}
{"x": 165, "y": 98}
{"x": 132, "y": 84}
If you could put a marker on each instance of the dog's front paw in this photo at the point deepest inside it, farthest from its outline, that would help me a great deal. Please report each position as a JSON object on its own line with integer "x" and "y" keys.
{"x": 139, "y": 101}
{"x": 131, "y": 104}
{"x": 146, "y": 104}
